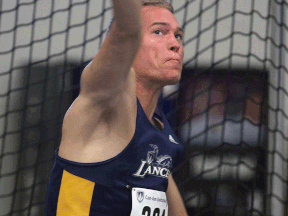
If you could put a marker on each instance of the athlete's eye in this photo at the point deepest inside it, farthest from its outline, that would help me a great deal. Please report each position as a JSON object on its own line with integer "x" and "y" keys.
{"x": 180, "y": 36}
{"x": 157, "y": 31}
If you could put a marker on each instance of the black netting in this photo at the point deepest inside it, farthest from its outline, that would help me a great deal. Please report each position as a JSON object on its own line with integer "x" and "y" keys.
{"x": 230, "y": 108}
{"x": 221, "y": 116}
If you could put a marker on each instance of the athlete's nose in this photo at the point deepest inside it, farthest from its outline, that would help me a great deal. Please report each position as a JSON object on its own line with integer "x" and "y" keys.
{"x": 174, "y": 44}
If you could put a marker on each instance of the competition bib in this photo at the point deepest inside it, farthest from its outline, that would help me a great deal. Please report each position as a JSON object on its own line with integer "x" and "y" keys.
{"x": 148, "y": 202}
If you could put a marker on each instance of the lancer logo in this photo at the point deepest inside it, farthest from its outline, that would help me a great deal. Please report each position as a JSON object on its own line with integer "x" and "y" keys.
{"x": 154, "y": 164}
{"x": 140, "y": 196}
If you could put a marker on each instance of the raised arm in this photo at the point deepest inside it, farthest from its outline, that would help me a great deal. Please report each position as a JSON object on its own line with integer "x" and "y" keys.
{"x": 107, "y": 74}
{"x": 103, "y": 117}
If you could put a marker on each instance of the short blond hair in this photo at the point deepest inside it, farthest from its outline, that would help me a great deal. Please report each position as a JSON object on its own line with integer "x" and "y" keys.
{"x": 158, "y": 3}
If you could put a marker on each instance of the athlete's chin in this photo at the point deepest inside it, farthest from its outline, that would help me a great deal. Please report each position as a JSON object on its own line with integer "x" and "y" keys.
{"x": 174, "y": 78}
{"x": 171, "y": 80}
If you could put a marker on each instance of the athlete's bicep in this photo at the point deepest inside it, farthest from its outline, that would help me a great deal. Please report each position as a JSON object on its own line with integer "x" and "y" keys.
{"x": 108, "y": 73}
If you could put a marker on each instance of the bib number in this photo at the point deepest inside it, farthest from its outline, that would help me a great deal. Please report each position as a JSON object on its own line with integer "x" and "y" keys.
{"x": 156, "y": 211}
{"x": 148, "y": 202}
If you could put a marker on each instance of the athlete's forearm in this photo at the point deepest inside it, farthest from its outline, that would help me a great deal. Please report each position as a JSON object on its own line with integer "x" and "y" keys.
{"x": 127, "y": 14}
{"x": 176, "y": 205}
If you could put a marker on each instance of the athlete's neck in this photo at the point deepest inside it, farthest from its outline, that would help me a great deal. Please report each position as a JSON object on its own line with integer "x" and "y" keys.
{"x": 148, "y": 97}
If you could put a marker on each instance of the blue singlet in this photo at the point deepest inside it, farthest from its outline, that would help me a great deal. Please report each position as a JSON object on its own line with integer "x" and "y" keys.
{"x": 100, "y": 189}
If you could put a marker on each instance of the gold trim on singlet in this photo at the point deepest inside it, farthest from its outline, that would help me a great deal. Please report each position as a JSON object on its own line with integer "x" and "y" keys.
{"x": 75, "y": 195}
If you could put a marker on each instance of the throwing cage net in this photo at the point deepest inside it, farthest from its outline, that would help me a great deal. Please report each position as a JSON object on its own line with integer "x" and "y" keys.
{"x": 230, "y": 108}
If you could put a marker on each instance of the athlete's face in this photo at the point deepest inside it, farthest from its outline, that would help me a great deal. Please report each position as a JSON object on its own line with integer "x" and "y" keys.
{"x": 160, "y": 56}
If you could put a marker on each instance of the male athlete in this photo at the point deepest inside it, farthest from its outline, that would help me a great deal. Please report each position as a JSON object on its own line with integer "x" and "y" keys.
{"x": 117, "y": 149}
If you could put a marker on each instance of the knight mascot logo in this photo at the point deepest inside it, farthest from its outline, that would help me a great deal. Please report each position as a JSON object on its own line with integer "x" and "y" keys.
{"x": 155, "y": 165}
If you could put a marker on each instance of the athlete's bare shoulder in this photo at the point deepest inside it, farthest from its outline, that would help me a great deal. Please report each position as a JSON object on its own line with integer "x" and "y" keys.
{"x": 95, "y": 130}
